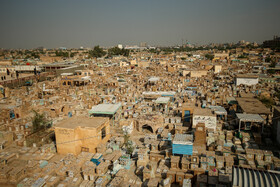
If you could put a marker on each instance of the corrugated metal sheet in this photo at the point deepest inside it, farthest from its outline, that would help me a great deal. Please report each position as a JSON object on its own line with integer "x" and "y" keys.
{"x": 251, "y": 177}
{"x": 249, "y": 117}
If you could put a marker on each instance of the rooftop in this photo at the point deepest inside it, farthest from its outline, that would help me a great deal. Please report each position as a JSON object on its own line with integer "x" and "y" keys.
{"x": 183, "y": 139}
{"x": 105, "y": 108}
{"x": 203, "y": 112}
{"x": 82, "y": 121}
{"x": 153, "y": 79}
{"x": 250, "y": 95}
{"x": 171, "y": 93}
{"x": 247, "y": 177}
{"x": 247, "y": 76}
{"x": 252, "y": 106}
{"x": 219, "y": 110}
{"x": 163, "y": 100}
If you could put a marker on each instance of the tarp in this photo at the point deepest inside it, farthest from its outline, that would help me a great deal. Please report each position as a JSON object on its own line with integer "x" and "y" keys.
{"x": 182, "y": 149}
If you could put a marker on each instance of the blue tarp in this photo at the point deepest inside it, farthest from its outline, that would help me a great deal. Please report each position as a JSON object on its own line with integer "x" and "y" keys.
{"x": 182, "y": 149}
{"x": 165, "y": 95}
{"x": 96, "y": 160}
{"x": 12, "y": 114}
{"x": 43, "y": 164}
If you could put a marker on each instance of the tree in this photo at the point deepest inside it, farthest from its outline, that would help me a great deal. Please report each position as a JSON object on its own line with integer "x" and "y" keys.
{"x": 209, "y": 56}
{"x": 242, "y": 56}
{"x": 268, "y": 102}
{"x": 128, "y": 143}
{"x": 42, "y": 52}
{"x": 27, "y": 52}
{"x": 267, "y": 59}
{"x": 152, "y": 50}
{"x": 97, "y": 52}
{"x": 61, "y": 53}
{"x": 271, "y": 65}
{"x": 118, "y": 51}
{"x": 39, "y": 122}
{"x": 72, "y": 54}
{"x": 35, "y": 55}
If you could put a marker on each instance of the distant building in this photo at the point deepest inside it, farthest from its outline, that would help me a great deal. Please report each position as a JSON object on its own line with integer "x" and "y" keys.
{"x": 78, "y": 78}
{"x": 241, "y": 42}
{"x": 221, "y": 56}
{"x": 3, "y": 69}
{"x": 255, "y": 44}
{"x": 135, "y": 47}
{"x": 120, "y": 46}
{"x": 217, "y": 68}
{"x": 134, "y": 61}
{"x": 62, "y": 67}
{"x": 44, "y": 58}
{"x": 198, "y": 73}
{"x": 124, "y": 63}
{"x": 40, "y": 48}
{"x": 143, "y": 64}
{"x": 27, "y": 68}
{"x": 62, "y": 48}
{"x": 143, "y": 44}
{"x": 5, "y": 62}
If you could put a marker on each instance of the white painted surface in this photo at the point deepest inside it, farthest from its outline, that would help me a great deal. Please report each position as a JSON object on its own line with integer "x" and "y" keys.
{"x": 247, "y": 81}
{"x": 209, "y": 121}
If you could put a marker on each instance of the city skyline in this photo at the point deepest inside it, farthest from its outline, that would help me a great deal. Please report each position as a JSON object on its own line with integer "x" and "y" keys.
{"x": 52, "y": 24}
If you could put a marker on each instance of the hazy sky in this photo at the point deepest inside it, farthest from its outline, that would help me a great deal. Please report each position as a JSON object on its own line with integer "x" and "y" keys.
{"x": 75, "y": 23}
